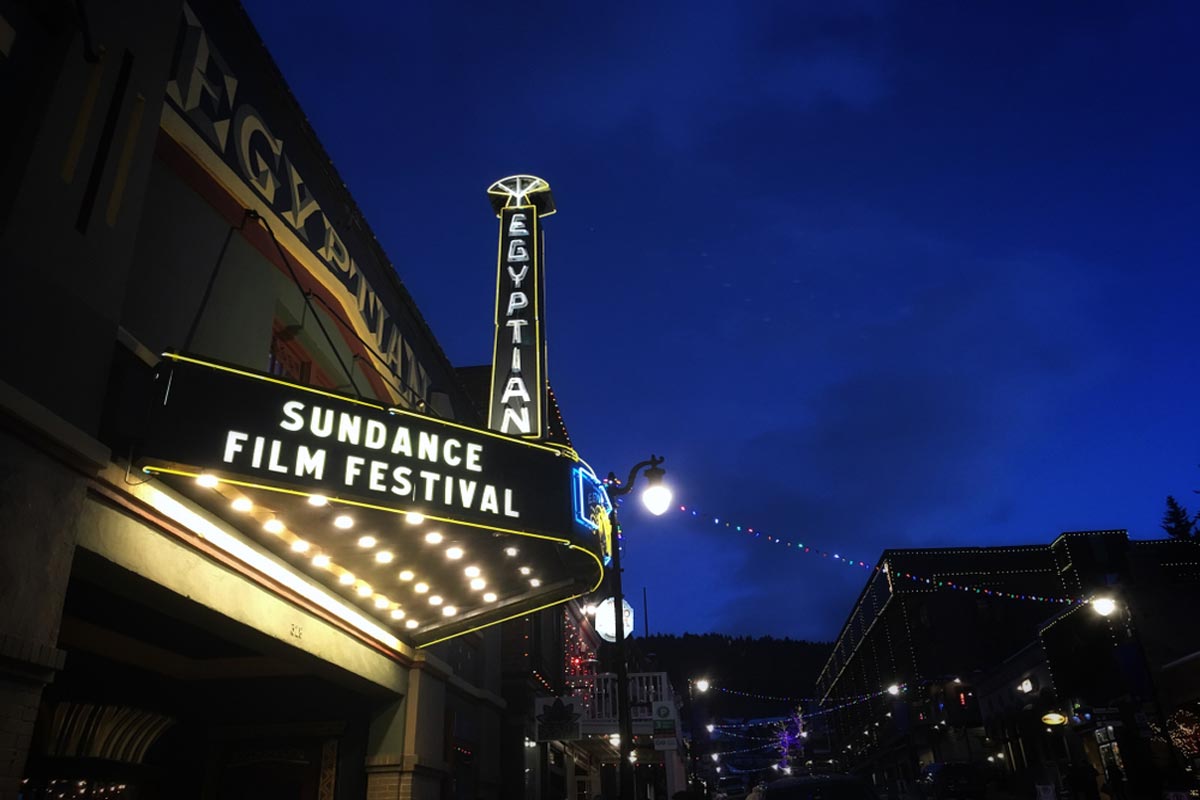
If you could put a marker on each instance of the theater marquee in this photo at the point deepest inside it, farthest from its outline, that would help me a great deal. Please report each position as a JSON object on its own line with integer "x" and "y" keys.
{"x": 493, "y": 495}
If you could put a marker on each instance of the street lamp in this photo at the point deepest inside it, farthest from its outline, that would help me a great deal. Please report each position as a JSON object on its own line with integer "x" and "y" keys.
{"x": 656, "y": 498}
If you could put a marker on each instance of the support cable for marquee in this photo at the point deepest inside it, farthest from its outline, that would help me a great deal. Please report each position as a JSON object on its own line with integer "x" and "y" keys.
{"x": 838, "y": 558}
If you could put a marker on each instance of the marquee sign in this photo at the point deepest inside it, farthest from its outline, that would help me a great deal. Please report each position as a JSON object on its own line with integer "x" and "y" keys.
{"x": 518, "y": 400}
{"x": 243, "y": 426}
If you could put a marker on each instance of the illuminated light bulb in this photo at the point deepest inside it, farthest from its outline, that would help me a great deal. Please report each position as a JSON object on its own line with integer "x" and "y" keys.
{"x": 534, "y": 582}
{"x": 364, "y": 590}
{"x": 435, "y": 599}
{"x": 449, "y": 611}
{"x": 414, "y": 518}
{"x": 478, "y": 583}
{"x": 382, "y": 602}
{"x": 510, "y": 551}
{"x": 489, "y": 597}
{"x": 342, "y": 521}
{"x": 273, "y": 526}
{"x": 702, "y": 686}
{"x": 321, "y": 560}
{"x": 412, "y": 623}
{"x": 384, "y": 557}
{"x": 242, "y": 504}
{"x": 893, "y": 690}
{"x": 318, "y": 500}
{"x": 657, "y": 499}
{"x": 525, "y": 570}
{"x": 300, "y": 546}
{"x": 433, "y": 537}
{"x": 345, "y": 579}
{"x": 406, "y": 575}
{"x": 397, "y": 613}
{"x": 421, "y": 588}
{"x": 1104, "y": 606}
{"x": 710, "y": 728}
{"x": 207, "y": 481}
{"x": 472, "y": 572}
{"x": 454, "y": 553}
{"x": 716, "y": 757}
{"x": 366, "y": 541}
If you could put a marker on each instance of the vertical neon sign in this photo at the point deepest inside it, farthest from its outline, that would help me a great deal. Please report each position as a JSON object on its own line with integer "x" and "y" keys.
{"x": 517, "y": 404}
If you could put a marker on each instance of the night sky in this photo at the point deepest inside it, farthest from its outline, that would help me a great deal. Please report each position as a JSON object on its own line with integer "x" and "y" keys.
{"x": 868, "y": 274}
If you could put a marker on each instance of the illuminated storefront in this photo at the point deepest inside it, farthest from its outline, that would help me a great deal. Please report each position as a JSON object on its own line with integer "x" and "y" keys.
{"x": 256, "y": 537}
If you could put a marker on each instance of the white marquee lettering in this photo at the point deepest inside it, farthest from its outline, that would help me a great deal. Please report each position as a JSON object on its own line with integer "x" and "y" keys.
{"x": 516, "y": 301}
{"x": 294, "y": 421}
{"x": 517, "y": 325}
{"x": 517, "y": 251}
{"x": 310, "y": 463}
{"x": 233, "y": 445}
{"x": 516, "y": 225}
{"x": 515, "y": 388}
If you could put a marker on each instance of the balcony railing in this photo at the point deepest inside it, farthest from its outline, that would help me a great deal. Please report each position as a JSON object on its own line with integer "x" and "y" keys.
{"x": 596, "y": 699}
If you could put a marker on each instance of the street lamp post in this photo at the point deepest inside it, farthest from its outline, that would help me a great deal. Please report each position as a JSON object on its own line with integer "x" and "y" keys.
{"x": 656, "y": 498}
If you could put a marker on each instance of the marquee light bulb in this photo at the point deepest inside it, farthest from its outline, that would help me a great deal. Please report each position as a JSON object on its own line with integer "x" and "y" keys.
{"x": 321, "y": 560}
{"x": 382, "y": 602}
{"x": 346, "y": 579}
{"x": 472, "y": 571}
{"x": 478, "y": 583}
{"x": 510, "y": 551}
{"x": 300, "y": 546}
{"x": 273, "y": 526}
{"x": 397, "y": 613}
{"x": 242, "y": 504}
{"x": 343, "y": 521}
{"x": 412, "y": 623}
{"x": 207, "y": 481}
{"x": 435, "y": 599}
{"x": 406, "y": 575}
{"x": 366, "y": 541}
{"x": 433, "y": 537}
{"x": 318, "y": 500}
{"x": 384, "y": 557}
{"x": 364, "y": 590}
{"x": 525, "y": 570}
{"x": 534, "y": 582}
{"x": 449, "y": 611}
{"x": 421, "y": 588}
{"x": 454, "y": 553}
{"x": 414, "y": 518}
{"x": 489, "y": 597}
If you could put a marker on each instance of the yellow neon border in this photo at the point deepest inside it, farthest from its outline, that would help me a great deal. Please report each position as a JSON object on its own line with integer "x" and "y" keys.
{"x": 297, "y": 493}
{"x": 560, "y": 450}
{"x": 528, "y": 610}
{"x": 539, "y": 354}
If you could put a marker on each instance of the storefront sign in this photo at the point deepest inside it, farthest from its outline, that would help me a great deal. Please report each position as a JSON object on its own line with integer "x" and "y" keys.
{"x": 258, "y": 429}
{"x": 518, "y": 398}
{"x": 248, "y": 127}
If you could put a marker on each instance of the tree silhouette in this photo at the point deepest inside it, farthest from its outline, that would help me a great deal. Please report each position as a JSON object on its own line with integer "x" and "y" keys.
{"x": 1176, "y": 521}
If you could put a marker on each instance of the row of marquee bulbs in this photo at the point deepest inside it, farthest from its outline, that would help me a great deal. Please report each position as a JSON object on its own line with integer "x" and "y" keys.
{"x": 275, "y": 526}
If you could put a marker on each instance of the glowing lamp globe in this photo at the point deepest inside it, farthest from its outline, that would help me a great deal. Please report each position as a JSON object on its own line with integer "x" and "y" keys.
{"x": 702, "y": 685}
{"x": 1104, "y": 606}
{"x": 657, "y": 499}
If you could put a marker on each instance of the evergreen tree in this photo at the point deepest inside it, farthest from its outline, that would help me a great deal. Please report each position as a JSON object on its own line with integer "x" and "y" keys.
{"x": 1176, "y": 521}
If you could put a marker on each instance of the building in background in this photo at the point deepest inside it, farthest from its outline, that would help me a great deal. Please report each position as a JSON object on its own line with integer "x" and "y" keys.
{"x": 180, "y": 257}
{"x": 987, "y": 640}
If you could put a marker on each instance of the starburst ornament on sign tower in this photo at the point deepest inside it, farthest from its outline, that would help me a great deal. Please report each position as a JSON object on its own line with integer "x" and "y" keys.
{"x": 522, "y": 190}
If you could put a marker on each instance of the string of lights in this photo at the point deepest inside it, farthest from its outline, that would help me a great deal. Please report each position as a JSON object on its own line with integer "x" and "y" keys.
{"x": 782, "y": 698}
{"x": 718, "y": 734}
{"x": 745, "y": 750}
{"x": 838, "y": 558}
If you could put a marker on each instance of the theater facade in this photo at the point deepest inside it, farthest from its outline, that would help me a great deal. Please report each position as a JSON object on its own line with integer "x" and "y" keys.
{"x": 255, "y": 533}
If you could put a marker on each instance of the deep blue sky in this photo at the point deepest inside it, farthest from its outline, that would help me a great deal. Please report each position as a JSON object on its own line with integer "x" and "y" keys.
{"x": 869, "y": 274}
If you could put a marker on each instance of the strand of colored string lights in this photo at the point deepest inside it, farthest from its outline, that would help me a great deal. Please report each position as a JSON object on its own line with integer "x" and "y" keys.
{"x": 784, "y": 699}
{"x": 720, "y": 733}
{"x": 746, "y": 750}
{"x": 808, "y": 549}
